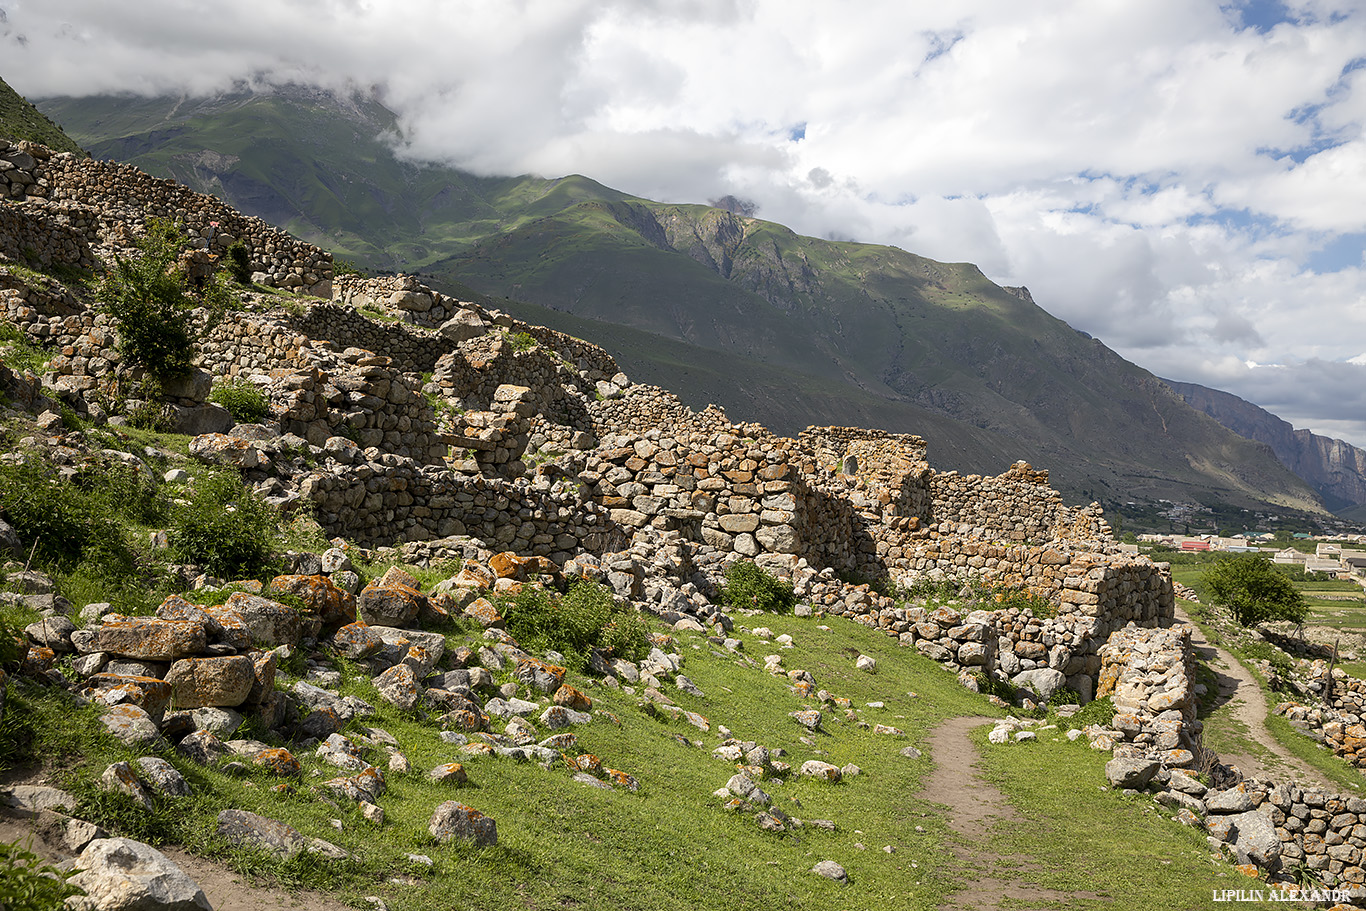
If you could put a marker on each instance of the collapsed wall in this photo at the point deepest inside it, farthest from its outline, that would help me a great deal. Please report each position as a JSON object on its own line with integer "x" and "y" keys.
{"x": 409, "y": 415}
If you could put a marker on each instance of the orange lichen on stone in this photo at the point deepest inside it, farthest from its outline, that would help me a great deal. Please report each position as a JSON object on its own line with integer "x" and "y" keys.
{"x": 571, "y": 698}
{"x": 334, "y": 606}
{"x": 484, "y": 613}
{"x": 449, "y": 773}
{"x": 395, "y": 576}
{"x": 278, "y": 761}
{"x": 622, "y": 780}
{"x": 39, "y": 660}
{"x": 151, "y": 639}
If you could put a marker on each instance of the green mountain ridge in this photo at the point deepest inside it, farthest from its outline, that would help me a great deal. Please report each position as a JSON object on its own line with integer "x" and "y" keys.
{"x": 21, "y": 120}
{"x": 718, "y": 307}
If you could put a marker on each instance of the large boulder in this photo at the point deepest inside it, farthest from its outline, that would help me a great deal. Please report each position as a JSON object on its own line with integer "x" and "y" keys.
{"x": 119, "y": 874}
{"x": 270, "y": 623}
{"x": 464, "y": 326}
{"x": 398, "y": 685}
{"x": 332, "y": 605}
{"x": 1131, "y": 773}
{"x": 390, "y": 604}
{"x": 1044, "y": 681}
{"x": 225, "y": 681}
{"x": 243, "y": 827}
{"x": 453, "y": 819}
{"x": 132, "y": 725}
{"x": 150, "y": 638}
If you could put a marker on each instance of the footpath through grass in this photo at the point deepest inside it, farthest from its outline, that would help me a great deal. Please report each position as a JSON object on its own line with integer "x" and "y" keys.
{"x": 671, "y": 844}
{"x": 1082, "y": 837}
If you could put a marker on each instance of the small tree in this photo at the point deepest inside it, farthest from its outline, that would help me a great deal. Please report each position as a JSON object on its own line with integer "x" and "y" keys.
{"x": 1254, "y": 591}
{"x": 152, "y": 303}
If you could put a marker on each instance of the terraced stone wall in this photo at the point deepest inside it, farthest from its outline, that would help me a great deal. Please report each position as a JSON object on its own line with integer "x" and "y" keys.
{"x": 108, "y": 205}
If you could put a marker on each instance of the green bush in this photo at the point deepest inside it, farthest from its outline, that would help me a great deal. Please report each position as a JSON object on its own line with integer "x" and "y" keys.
{"x": 243, "y": 398}
{"x": 225, "y": 528}
{"x": 146, "y": 298}
{"x": 1251, "y": 588}
{"x": 29, "y": 884}
{"x": 151, "y": 303}
{"x": 239, "y": 263}
{"x": 586, "y": 617}
{"x": 522, "y": 341}
{"x": 751, "y": 587}
{"x": 68, "y": 525}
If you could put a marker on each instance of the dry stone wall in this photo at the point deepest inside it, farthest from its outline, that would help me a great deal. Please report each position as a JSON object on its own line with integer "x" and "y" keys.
{"x": 536, "y": 441}
{"x": 42, "y": 238}
{"x": 107, "y": 206}
{"x": 1339, "y": 721}
{"x": 1277, "y": 826}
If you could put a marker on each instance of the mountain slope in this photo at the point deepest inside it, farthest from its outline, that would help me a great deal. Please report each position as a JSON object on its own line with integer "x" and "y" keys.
{"x": 21, "y": 120}
{"x": 1336, "y": 469}
{"x": 778, "y": 328}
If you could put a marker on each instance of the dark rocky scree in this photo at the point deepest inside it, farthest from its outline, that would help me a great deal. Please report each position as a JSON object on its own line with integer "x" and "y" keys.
{"x": 406, "y": 422}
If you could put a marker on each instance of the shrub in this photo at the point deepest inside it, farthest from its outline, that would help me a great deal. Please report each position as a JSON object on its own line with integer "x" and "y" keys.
{"x": 225, "y": 528}
{"x": 522, "y": 341}
{"x": 750, "y": 586}
{"x": 1006, "y": 597}
{"x": 586, "y": 617}
{"x": 239, "y": 263}
{"x": 19, "y": 353}
{"x": 243, "y": 398}
{"x": 64, "y": 522}
{"x": 28, "y": 884}
{"x": 1254, "y": 591}
{"x": 925, "y": 589}
{"x": 146, "y": 298}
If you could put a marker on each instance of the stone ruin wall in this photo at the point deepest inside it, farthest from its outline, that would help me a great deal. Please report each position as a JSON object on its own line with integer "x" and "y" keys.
{"x": 30, "y": 235}
{"x": 67, "y": 201}
{"x": 1150, "y": 674}
{"x": 640, "y": 458}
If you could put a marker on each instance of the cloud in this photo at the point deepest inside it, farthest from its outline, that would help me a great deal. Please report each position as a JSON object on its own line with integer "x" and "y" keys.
{"x": 1181, "y": 180}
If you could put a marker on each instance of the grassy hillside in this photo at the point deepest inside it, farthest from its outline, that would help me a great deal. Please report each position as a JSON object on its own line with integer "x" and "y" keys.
{"x": 778, "y": 328}
{"x": 21, "y": 120}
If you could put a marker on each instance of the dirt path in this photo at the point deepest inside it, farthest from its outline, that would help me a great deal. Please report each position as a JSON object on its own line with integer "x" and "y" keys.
{"x": 1249, "y": 706}
{"x": 974, "y": 807}
{"x": 225, "y": 889}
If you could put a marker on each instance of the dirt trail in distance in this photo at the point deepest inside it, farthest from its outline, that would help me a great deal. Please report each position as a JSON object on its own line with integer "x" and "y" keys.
{"x": 1249, "y": 706}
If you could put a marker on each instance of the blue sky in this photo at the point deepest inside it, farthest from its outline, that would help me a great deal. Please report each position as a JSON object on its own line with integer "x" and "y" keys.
{"x": 1183, "y": 179}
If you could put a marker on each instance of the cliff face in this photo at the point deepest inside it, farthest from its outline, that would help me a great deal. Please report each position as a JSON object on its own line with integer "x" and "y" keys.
{"x": 1336, "y": 469}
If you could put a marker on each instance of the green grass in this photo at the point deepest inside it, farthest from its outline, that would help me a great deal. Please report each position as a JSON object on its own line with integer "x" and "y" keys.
{"x": 21, "y": 120}
{"x": 668, "y": 845}
{"x": 19, "y": 353}
{"x": 1079, "y": 836}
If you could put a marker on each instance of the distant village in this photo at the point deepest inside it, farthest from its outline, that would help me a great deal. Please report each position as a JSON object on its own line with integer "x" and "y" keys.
{"x": 1333, "y": 555}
